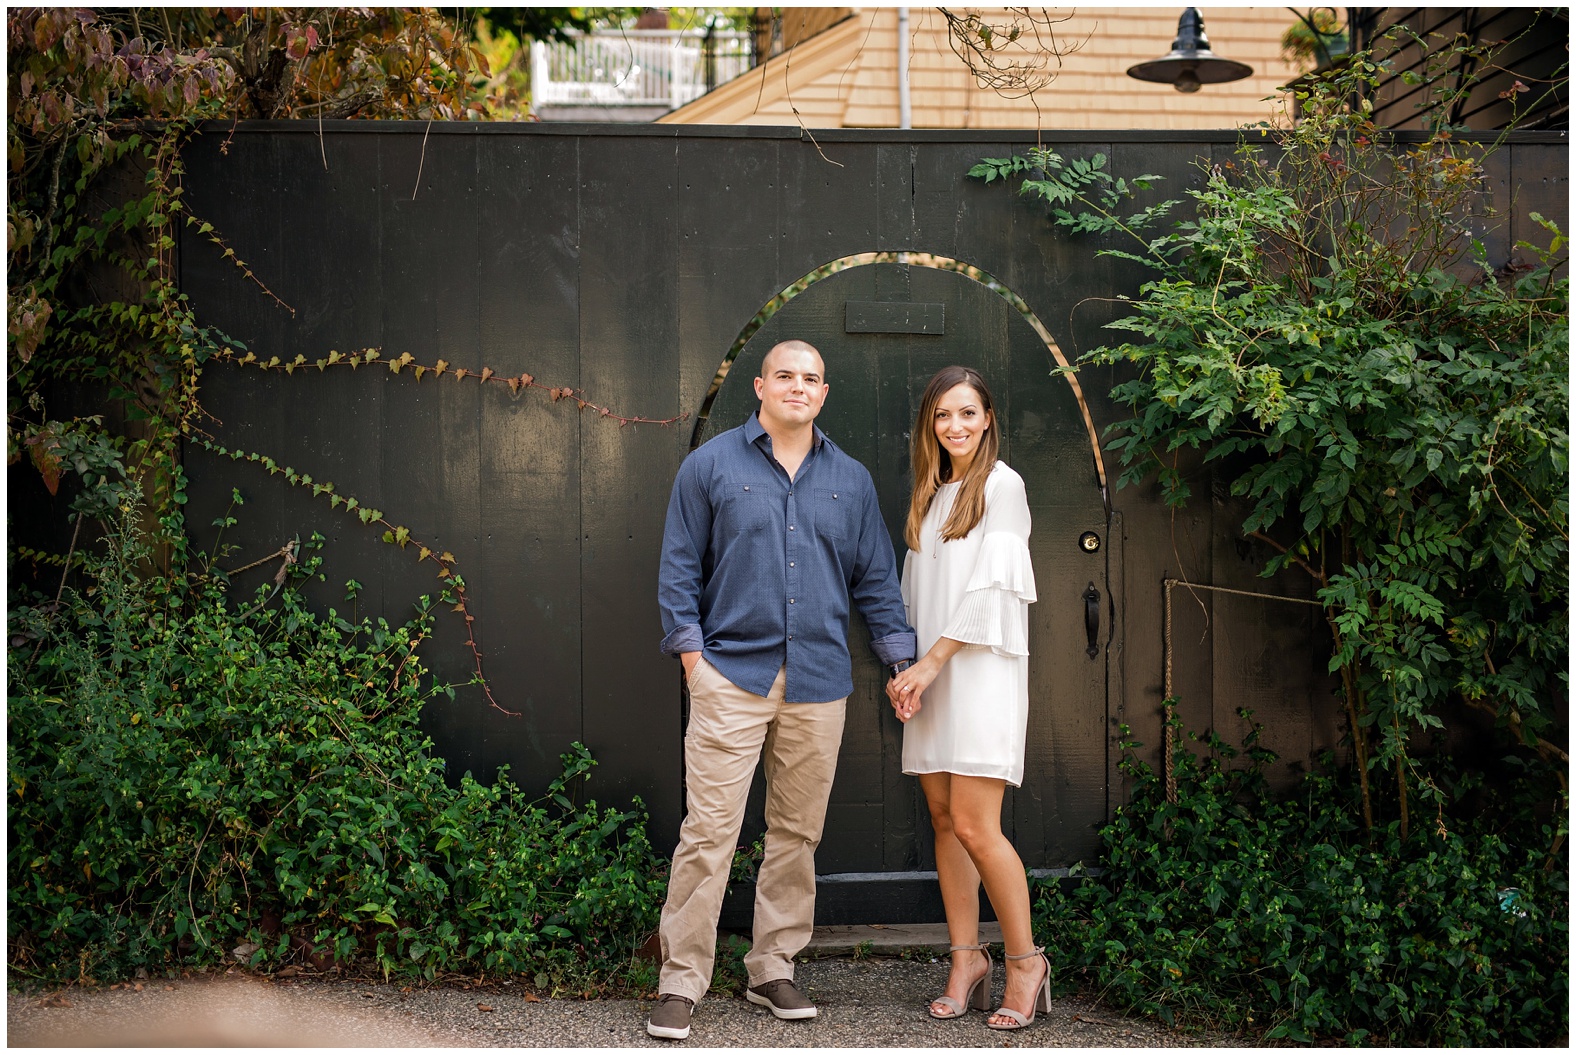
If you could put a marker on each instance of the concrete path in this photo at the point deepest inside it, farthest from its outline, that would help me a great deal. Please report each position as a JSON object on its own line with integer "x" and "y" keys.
{"x": 872, "y": 1000}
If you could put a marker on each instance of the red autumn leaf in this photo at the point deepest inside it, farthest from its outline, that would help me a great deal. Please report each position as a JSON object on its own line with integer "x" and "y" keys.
{"x": 46, "y": 31}
{"x": 299, "y": 40}
{"x": 45, "y": 459}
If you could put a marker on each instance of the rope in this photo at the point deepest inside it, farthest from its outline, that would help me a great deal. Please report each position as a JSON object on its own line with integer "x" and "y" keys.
{"x": 1239, "y": 593}
{"x": 1170, "y": 705}
{"x": 1168, "y": 688}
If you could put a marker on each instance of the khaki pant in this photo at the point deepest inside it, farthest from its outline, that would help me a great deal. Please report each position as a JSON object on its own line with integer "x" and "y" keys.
{"x": 729, "y": 729}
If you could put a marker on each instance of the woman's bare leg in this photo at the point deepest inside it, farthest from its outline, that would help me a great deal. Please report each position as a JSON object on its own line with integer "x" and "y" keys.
{"x": 960, "y": 889}
{"x": 974, "y": 806}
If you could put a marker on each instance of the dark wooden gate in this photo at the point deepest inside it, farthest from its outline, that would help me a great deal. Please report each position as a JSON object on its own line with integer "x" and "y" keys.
{"x": 883, "y": 329}
{"x": 625, "y": 263}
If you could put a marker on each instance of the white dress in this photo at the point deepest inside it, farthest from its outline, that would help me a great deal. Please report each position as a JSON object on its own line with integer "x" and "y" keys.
{"x": 976, "y": 589}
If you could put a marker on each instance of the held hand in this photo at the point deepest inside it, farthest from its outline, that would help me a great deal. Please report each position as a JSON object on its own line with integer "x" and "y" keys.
{"x": 904, "y": 707}
{"x": 906, "y": 689}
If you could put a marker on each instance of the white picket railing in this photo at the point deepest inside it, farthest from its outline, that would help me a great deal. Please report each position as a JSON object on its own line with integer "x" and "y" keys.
{"x": 635, "y": 67}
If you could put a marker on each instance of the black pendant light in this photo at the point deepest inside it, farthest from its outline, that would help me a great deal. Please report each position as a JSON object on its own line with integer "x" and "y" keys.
{"x": 1190, "y": 63}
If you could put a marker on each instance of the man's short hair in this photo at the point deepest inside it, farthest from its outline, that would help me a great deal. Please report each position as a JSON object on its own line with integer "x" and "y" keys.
{"x": 794, "y": 345}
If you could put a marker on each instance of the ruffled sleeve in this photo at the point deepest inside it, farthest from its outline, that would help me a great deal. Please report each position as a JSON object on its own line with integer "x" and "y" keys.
{"x": 994, "y": 613}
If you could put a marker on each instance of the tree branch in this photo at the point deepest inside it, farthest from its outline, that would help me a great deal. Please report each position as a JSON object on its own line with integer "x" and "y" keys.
{"x": 1318, "y": 576}
{"x": 1549, "y": 751}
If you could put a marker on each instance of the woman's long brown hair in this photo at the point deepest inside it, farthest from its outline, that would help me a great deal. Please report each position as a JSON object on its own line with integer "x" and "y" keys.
{"x": 933, "y": 466}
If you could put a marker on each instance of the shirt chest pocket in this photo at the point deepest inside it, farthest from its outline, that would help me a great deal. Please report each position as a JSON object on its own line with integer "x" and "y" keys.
{"x": 833, "y": 512}
{"x": 745, "y": 508}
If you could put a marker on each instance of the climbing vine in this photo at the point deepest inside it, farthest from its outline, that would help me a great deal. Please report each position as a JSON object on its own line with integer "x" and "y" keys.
{"x": 199, "y": 777}
{"x": 99, "y": 201}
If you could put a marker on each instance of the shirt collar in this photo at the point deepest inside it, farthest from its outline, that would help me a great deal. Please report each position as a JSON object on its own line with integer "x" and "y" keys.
{"x": 754, "y": 430}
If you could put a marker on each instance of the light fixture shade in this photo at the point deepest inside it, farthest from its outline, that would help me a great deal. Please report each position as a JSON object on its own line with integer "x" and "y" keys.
{"x": 1190, "y": 63}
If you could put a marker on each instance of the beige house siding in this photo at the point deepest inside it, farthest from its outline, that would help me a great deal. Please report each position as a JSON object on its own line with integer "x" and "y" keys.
{"x": 845, "y": 76}
{"x": 793, "y": 25}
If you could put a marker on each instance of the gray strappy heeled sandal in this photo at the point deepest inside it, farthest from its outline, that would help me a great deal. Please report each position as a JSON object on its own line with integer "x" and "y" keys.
{"x": 1042, "y": 998}
{"x": 979, "y": 992}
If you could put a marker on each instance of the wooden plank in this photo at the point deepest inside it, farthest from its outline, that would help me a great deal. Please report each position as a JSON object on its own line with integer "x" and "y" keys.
{"x": 1116, "y": 658}
{"x": 907, "y": 838}
{"x": 250, "y": 223}
{"x": 894, "y": 205}
{"x": 339, "y": 308}
{"x": 1257, "y": 643}
{"x": 1063, "y": 797}
{"x": 629, "y": 315}
{"x": 430, "y": 461}
{"x": 1540, "y": 182}
{"x": 950, "y": 218}
{"x": 525, "y": 531}
{"x": 731, "y": 229}
{"x": 827, "y": 208}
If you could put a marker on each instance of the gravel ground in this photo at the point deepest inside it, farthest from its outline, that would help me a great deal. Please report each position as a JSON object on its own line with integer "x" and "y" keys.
{"x": 863, "y": 1003}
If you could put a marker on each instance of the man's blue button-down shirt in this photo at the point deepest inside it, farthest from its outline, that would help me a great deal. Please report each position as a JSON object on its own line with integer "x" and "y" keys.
{"x": 757, "y": 569}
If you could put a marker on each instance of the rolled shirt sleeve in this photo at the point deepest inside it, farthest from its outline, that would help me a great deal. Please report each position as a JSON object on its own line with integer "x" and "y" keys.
{"x": 875, "y": 590}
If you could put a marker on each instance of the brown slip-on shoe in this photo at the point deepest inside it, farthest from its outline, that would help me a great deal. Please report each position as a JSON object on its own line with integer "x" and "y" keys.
{"x": 782, "y": 997}
{"x": 670, "y": 1019}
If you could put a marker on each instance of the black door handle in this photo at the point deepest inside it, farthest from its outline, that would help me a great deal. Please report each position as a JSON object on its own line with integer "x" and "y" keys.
{"x": 1091, "y": 598}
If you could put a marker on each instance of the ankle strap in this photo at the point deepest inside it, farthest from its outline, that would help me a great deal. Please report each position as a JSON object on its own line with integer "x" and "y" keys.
{"x": 983, "y": 946}
{"x": 1024, "y": 955}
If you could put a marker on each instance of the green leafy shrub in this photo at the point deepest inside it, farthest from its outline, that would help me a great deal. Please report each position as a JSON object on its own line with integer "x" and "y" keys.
{"x": 190, "y": 776}
{"x": 1328, "y": 339}
{"x": 1235, "y": 909}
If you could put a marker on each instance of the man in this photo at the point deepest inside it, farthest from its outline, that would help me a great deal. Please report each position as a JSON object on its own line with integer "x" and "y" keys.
{"x": 770, "y": 530}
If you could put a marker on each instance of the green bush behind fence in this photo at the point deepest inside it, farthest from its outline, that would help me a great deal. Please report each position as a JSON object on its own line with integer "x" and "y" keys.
{"x": 1234, "y": 908}
{"x": 191, "y": 776}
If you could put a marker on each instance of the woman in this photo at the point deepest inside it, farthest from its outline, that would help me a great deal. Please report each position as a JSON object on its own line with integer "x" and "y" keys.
{"x": 967, "y": 582}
